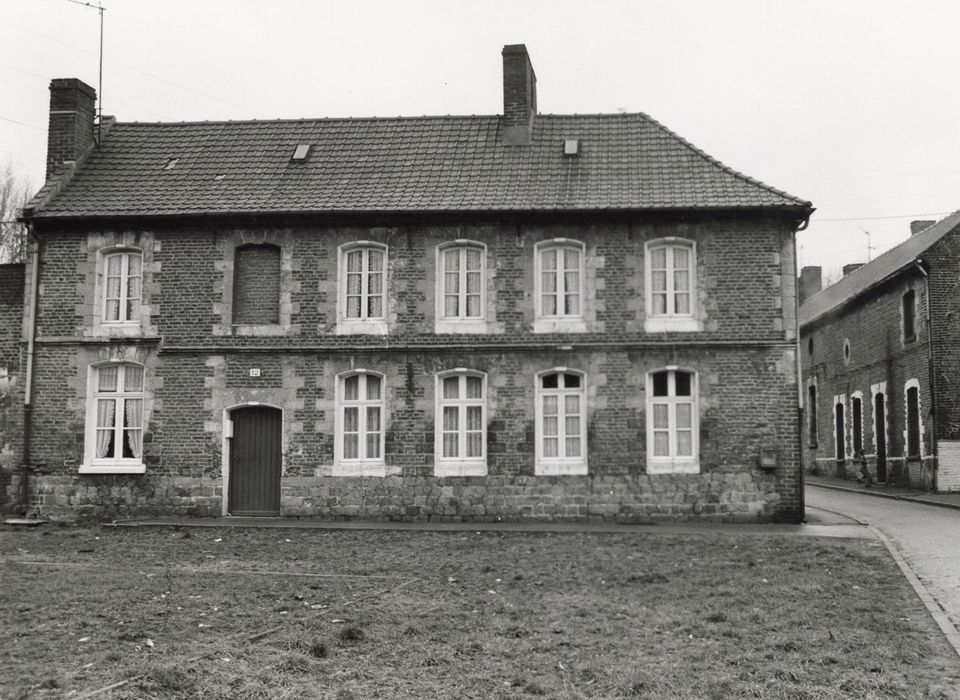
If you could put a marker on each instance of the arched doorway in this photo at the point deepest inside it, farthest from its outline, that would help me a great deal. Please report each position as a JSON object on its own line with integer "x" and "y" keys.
{"x": 255, "y": 461}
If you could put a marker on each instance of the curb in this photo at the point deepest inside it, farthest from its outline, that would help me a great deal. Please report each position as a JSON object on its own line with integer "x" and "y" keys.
{"x": 878, "y": 494}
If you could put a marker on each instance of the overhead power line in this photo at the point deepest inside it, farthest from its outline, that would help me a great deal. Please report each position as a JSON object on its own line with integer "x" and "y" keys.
{"x": 29, "y": 126}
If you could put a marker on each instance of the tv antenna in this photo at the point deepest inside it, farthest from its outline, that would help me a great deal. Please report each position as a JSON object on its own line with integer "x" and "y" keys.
{"x": 100, "y": 8}
{"x": 869, "y": 247}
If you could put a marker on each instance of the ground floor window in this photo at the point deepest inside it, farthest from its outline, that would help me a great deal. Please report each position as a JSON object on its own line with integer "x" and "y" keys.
{"x": 359, "y": 430}
{"x": 913, "y": 422}
{"x": 461, "y": 424}
{"x": 115, "y": 423}
{"x": 561, "y": 423}
{"x": 672, "y": 417}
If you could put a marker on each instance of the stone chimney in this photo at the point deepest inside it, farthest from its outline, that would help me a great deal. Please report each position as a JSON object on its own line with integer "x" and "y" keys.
{"x": 71, "y": 130}
{"x": 519, "y": 95}
{"x": 918, "y": 226}
{"x": 810, "y": 282}
{"x": 847, "y": 269}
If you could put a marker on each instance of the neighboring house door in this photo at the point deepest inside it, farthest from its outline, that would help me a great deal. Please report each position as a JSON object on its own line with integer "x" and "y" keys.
{"x": 880, "y": 428}
{"x": 255, "y": 461}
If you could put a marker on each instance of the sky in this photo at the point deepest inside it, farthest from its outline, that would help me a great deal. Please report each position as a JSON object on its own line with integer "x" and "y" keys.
{"x": 852, "y": 105}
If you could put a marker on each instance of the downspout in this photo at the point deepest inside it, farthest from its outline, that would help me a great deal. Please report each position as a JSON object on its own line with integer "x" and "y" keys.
{"x": 25, "y": 469}
{"x": 931, "y": 375}
{"x": 800, "y": 396}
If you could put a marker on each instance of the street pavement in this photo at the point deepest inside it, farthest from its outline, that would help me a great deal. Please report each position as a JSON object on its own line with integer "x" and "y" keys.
{"x": 926, "y": 535}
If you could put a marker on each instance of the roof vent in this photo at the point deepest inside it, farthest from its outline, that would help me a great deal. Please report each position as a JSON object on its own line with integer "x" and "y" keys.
{"x": 219, "y": 177}
{"x": 301, "y": 152}
{"x": 571, "y": 147}
{"x": 171, "y": 163}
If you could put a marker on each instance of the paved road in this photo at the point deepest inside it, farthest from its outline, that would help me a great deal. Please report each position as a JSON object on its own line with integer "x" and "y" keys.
{"x": 928, "y": 537}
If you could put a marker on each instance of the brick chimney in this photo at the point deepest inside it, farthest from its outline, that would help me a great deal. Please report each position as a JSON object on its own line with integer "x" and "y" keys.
{"x": 519, "y": 95}
{"x": 918, "y": 226}
{"x": 847, "y": 269}
{"x": 810, "y": 282}
{"x": 71, "y": 130}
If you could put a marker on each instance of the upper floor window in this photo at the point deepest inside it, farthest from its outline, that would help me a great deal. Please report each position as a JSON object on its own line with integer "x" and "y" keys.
{"x": 256, "y": 285}
{"x": 461, "y": 424}
{"x": 359, "y": 429}
{"x": 672, "y": 418}
{"x": 123, "y": 274}
{"x": 115, "y": 424}
{"x": 561, "y": 423}
{"x": 461, "y": 273}
{"x": 671, "y": 287}
{"x": 908, "y": 312}
{"x": 560, "y": 279}
{"x": 363, "y": 288}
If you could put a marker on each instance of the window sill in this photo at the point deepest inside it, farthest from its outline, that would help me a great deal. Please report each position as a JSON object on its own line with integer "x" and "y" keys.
{"x": 570, "y": 468}
{"x": 463, "y": 326}
{"x": 360, "y": 469}
{"x": 123, "y": 329}
{"x": 673, "y": 467}
{"x": 361, "y": 327}
{"x": 258, "y": 329}
{"x": 672, "y": 324}
{"x": 465, "y": 468}
{"x": 560, "y": 325}
{"x": 113, "y": 468}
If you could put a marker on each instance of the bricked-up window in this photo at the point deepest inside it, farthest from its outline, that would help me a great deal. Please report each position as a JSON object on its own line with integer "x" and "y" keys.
{"x": 812, "y": 415}
{"x": 560, "y": 279}
{"x": 672, "y": 418}
{"x": 115, "y": 422}
{"x": 856, "y": 415}
{"x": 363, "y": 278}
{"x": 462, "y": 285}
{"x": 256, "y": 285}
{"x": 908, "y": 306}
{"x": 122, "y": 274}
{"x": 461, "y": 428}
{"x": 671, "y": 285}
{"x": 360, "y": 413}
{"x": 561, "y": 423}
{"x": 913, "y": 422}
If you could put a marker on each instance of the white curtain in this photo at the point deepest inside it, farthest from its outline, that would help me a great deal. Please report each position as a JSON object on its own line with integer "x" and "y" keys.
{"x": 134, "y": 411}
{"x": 105, "y": 425}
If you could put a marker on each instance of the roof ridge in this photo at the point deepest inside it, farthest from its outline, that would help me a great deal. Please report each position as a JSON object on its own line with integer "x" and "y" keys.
{"x": 724, "y": 166}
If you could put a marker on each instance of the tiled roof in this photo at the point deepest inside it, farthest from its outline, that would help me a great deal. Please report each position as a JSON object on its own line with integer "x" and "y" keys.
{"x": 876, "y": 271}
{"x": 626, "y": 161}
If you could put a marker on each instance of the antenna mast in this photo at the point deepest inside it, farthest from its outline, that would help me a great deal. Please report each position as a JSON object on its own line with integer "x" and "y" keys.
{"x": 100, "y": 8}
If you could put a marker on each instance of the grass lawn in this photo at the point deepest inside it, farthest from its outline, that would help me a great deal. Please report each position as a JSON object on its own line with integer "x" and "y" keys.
{"x": 232, "y": 613}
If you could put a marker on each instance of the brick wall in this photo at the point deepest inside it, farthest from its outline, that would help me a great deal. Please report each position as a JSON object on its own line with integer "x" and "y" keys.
{"x": 198, "y": 367}
{"x": 256, "y": 285}
{"x": 11, "y": 388}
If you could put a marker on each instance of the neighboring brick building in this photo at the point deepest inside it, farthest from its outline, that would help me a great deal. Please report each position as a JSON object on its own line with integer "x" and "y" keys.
{"x": 483, "y": 317}
{"x": 11, "y": 405}
{"x": 881, "y": 363}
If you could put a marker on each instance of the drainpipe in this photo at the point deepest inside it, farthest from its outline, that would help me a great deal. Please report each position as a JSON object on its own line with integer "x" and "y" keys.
{"x": 800, "y": 393}
{"x": 924, "y": 268}
{"x": 24, "y": 495}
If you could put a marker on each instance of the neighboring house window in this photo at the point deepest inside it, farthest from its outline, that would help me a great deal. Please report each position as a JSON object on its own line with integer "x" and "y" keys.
{"x": 913, "y": 422}
{"x": 856, "y": 415}
{"x": 461, "y": 272}
{"x": 363, "y": 287}
{"x": 561, "y": 423}
{"x": 461, "y": 424}
{"x": 812, "y": 415}
{"x": 672, "y": 444}
{"x": 123, "y": 273}
{"x": 360, "y": 420}
{"x": 908, "y": 305}
{"x": 114, "y": 434}
{"x": 840, "y": 427}
{"x": 671, "y": 286}
{"x": 256, "y": 285}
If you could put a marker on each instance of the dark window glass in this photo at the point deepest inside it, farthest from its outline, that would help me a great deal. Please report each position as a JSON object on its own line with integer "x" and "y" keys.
{"x": 841, "y": 433}
{"x": 683, "y": 383}
{"x": 909, "y": 333}
{"x": 571, "y": 381}
{"x": 660, "y": 383}
{"x": 913, "y": 422}
{"x": 857, "y": 425}
{"x": 256, "y": 284}
{"x": 812, "y": 413}
{"x": 550, "y": 381}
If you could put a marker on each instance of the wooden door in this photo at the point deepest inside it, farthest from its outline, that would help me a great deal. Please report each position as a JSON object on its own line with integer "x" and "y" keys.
{"x": 255, "y": 459}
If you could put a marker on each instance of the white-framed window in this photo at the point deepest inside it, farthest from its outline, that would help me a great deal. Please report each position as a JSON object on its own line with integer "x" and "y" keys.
{"x": 359, "y": 429}
{"x": 840, "y": 427}
{"x": 115, "y": 420}
{"x": 461, "y": 430}
{"x": 558, "y": 285}
{"x": 671, "y": 285}
{"x": 672, "y": 422}
{"x": 122, "y": 278}
{"x": 461, "y": 287}
{"x": 362, "y": 301}
{"x": 913, "y": 428}
{"x": 561, "y": 429}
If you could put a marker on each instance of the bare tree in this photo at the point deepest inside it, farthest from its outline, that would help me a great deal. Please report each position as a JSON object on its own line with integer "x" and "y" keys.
{"x": 15, "y": 191}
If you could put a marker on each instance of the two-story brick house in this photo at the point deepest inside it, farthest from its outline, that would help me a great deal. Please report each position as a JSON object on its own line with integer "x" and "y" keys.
{"x": 525, "y": 315}
{"x": 881, "y": 363}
